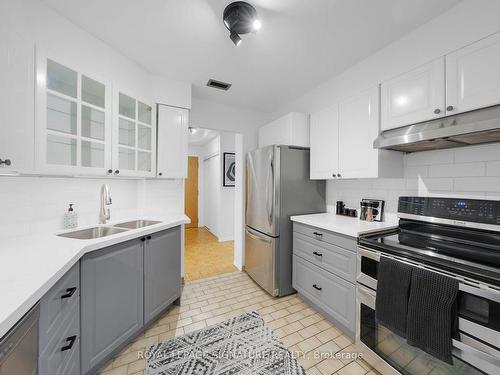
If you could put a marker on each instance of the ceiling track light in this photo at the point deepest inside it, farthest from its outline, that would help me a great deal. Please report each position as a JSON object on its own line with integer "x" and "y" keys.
{"x": 240, "y": 18}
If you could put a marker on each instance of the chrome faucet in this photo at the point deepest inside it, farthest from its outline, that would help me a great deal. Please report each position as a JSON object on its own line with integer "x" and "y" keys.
{"x": 104, "y": 213}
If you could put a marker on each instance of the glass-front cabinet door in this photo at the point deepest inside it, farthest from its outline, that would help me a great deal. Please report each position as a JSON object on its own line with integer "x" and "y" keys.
{"x": 134, "y": 136}
{"x": 73, "y": 126}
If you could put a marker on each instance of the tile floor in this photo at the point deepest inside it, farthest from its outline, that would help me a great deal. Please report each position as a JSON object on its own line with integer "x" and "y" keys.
{"x": 205, "y": 256}
{"x": 212, "y": 300}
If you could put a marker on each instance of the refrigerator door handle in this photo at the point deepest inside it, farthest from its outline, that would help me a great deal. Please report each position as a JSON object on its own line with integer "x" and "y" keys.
{"x": 270, "y": 193}
{"x": 251, "y": 233}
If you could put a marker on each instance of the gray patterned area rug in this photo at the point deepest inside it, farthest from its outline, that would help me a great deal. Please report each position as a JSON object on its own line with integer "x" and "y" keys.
{"x": 241, "y": 345}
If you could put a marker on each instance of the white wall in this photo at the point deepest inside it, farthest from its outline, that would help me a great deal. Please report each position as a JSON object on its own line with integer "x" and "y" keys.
{"x": 211, "y": 188}
{"x": 226, "y": 223}
{"x": 465, "y": 23}
{"x": 38, "y": 203}
{"x": 471, "y": 171}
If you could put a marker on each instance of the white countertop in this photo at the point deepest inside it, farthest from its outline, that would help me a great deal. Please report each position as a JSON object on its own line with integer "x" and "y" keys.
{"x": 349, "y": 226}
{"x": 31, "y": 265}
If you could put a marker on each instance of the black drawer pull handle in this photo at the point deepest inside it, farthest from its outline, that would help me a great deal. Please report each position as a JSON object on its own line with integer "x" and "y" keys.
{"x": 317, "y": 254}
{"x": 71, "y": 341}
{"x": 69, "y": 293}
{"x": 148, "y": 237}
{"x": 317, "y": 287}
{"x": 318, "y": 234}
{"x": 143, "y": 239}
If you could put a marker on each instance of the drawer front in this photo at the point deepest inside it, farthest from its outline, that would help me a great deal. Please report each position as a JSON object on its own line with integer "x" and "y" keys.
{"x": 53, "y": 359}
{"x": 335, "y": 259}
{"x": 334, "y": 295}
{"x": 349, "y": 243}
{"x": 57, "y": 302}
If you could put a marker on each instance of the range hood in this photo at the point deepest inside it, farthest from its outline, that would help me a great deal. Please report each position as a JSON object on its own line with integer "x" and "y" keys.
{"x": 465, "y": 129}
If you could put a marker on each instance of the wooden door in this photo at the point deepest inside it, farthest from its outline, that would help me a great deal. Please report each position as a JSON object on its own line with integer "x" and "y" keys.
{"x": 191, "y": 192}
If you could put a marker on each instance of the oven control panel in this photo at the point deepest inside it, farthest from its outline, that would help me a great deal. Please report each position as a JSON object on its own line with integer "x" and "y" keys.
{"x": 473, "y": 210}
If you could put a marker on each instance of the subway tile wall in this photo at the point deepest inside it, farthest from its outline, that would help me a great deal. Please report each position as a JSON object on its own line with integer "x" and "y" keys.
{"x": 472, "y": 172}
{"x": 37, "y": 204}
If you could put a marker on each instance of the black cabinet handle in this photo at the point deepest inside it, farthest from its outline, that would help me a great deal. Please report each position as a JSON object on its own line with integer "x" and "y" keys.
{"x": 69, "y": 293}
{"x": 318, "y": 234}
{"x": 317, "y": 254}
{"x": 7, "y": 162}
{"x": 143, "y": 239}
{"x": 71, "y": 340}
{"x": 110, "y": 171}
{"x": 117, "y": 171}
{"x": 160, "y": 174}
{"x": 148, "y": 237}
{"x": 316, "y": 287}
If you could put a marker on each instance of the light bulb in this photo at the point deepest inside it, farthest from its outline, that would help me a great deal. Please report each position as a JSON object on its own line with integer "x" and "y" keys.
{"x": 257, "y": 25}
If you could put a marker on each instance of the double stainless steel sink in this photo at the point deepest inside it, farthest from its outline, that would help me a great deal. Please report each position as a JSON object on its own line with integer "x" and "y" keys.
{"x": 107, "y": 230}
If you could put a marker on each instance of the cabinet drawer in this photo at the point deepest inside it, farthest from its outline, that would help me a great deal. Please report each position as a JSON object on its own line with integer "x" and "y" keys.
{"x": 57, "y": 302}
{"x": 332, "y": 294}
{"x": 320, "y": 235}
{"x": 53, "y": 359}
{"x": 335, "y": 259}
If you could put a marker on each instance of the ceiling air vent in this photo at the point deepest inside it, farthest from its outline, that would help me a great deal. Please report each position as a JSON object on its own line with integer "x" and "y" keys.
{"x": 218, "y": 84}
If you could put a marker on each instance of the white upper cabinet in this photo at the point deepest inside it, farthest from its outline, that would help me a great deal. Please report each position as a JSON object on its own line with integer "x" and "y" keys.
{"x": 172, "y": 142}
{"x": 134, "y": 136}
{"x": 73, "y": 122}
{"x": 17, "y": 67}
{"x": 324, "y": 139}
{"x": 413, "y": 97}
{"x": 291, "y": 129}
{"x": 473, "y": 76}
{"x": 342, "y": 141}
{"x": 358, "y": 127}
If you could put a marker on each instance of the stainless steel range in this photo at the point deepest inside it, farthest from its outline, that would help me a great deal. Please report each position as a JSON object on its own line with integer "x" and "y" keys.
{"x": 458, "y": 238}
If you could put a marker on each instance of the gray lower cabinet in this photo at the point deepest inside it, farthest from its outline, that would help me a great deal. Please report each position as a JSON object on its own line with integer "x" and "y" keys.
{"x": 162, "y": 271}
{"x": 111, "y": 300}
{"x": 324, "y": 273}
{"x": 59, "y": 326}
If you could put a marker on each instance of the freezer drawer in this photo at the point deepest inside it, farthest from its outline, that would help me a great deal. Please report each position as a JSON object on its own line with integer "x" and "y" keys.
{"x": 260, "y": 259}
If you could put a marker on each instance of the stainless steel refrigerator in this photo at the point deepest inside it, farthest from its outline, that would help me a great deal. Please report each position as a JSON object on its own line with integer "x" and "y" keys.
{"x": 277, "y": 187}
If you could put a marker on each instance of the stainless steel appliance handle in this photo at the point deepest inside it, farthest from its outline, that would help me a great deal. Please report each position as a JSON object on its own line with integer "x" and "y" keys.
{"x": 270, "y": 191}
{"x": 469, "y": 351}
{"x": 368, "y": 254}
{"x": 253, "y": 234}
{"x": 366, "y": 296}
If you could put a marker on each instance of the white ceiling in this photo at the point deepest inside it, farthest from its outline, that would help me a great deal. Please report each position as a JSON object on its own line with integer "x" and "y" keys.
{"x": 301, "y": 43}
{"x": 201, "y": 136}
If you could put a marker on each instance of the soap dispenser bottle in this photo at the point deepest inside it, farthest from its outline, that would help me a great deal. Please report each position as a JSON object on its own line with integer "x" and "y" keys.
{"x": 70, "y": 218}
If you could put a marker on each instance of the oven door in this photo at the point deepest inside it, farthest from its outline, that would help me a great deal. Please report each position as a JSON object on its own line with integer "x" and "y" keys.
{"x": 390, "y": 354}
{"x": 367, "y": 267}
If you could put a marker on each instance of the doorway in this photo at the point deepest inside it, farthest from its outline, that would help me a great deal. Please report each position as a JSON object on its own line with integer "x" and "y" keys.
{"x": 210, "y": 204}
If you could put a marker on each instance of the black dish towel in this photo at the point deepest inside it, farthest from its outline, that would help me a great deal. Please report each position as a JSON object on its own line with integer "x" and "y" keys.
{"x": 393, "y": 288}
{"x": 432, "y": 313}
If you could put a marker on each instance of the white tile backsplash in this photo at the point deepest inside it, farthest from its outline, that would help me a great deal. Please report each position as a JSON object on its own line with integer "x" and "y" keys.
{"x": 467, "y": 172}
{"x": 37, "y": 204}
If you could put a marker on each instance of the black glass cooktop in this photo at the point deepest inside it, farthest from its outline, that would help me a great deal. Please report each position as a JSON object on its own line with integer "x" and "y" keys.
{"x": 469, "y": 252}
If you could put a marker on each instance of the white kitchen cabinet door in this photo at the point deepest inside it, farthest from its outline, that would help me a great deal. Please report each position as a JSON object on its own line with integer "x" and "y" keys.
{"x": 172, "y": 142}
{"x": 358, "y": 128}
{"x": 473, "y": 76}
{"x": 324, "y": 144}
{"x": 414, "y": 97}
{"x": 291, "y": 129}
{"x": 134, "y": 136}
{"x": 73, "y": 120}
{"x": 17, "y": 67}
